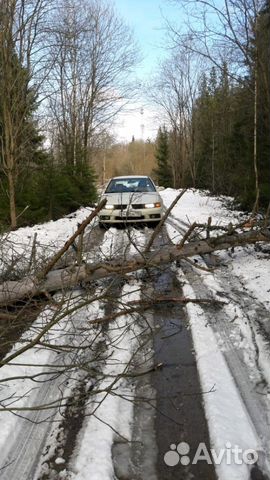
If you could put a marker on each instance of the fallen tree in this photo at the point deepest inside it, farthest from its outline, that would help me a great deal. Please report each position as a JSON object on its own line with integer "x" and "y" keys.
{"x": 65, "y": 278}
{"x": 71, "y": 329}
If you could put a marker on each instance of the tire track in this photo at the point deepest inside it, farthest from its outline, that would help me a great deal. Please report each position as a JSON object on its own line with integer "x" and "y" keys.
{"x": 22, "y": 453}
{"x": 222, "y": 321}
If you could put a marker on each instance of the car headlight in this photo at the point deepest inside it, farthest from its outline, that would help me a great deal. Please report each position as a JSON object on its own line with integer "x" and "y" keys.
{"x": 109, "y": 207}
{"x": 152, "y": 205}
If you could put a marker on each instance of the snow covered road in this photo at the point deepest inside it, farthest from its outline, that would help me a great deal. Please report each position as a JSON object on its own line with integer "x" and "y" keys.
{"x": 129, "y": 423}
{"x": 231, "y": 341}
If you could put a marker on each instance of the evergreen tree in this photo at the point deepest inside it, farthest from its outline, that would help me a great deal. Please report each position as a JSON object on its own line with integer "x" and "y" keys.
{"x": 202, "y": 125}
{"x": 43, "y": 187}
{"x": 223, "y": 121}
{"x": 163, "y": 172}
{"x": 20, "y": 141}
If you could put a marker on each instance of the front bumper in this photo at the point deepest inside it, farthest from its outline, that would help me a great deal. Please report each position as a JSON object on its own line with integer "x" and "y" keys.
{"x": 130, "y": 216}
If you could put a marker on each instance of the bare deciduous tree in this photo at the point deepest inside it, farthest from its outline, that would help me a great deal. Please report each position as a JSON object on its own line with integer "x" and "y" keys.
{"x": 174, "y": 91}
{"x": 93, "y": 52}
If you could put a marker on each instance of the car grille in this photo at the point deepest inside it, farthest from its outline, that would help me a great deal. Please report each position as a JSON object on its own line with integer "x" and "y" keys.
{"x": 120, "y": 207}
{"x": 135, "y": 206}
{"x": 138, "y": 206}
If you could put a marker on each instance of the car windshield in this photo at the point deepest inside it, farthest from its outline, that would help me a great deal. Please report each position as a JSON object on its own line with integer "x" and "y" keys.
{"x": 134, "y": 184}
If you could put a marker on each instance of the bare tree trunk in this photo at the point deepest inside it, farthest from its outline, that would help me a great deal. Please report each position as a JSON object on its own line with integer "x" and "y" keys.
{"x": 213, "y": 158}
{"x": 12, "y": 199}
{"x": 8, "y": 141}
{"x": 12, "y": 291}
{"x": 255, "y": 159}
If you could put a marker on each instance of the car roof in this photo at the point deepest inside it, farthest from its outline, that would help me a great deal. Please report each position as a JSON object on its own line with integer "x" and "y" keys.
{"x": 130, "y": 176}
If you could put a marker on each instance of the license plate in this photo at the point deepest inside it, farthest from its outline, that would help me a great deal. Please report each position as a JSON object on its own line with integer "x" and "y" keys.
{"x": 131, "y": 213}
{"x": 134, "y": 213}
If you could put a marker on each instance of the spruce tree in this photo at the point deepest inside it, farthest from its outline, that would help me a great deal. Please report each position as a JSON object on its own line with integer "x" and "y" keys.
{"x": 21, "y": 145}
{"x": 163, "y": 172}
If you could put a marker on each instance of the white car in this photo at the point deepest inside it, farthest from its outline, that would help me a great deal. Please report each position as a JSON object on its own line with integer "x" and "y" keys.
{"x": 131, "y": 199}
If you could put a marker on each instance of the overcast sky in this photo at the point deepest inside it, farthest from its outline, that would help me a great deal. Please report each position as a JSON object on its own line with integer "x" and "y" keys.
{"x": 146, "y": 18}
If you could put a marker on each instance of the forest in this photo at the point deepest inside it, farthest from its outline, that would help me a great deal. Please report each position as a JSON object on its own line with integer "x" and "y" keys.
{"x": 67, "y": 70}
{"x": 214, "y": 90}
{"x": 121, "y": 344}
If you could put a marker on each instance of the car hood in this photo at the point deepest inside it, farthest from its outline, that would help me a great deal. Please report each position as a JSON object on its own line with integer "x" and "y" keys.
{"x": 129, "y": 198}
